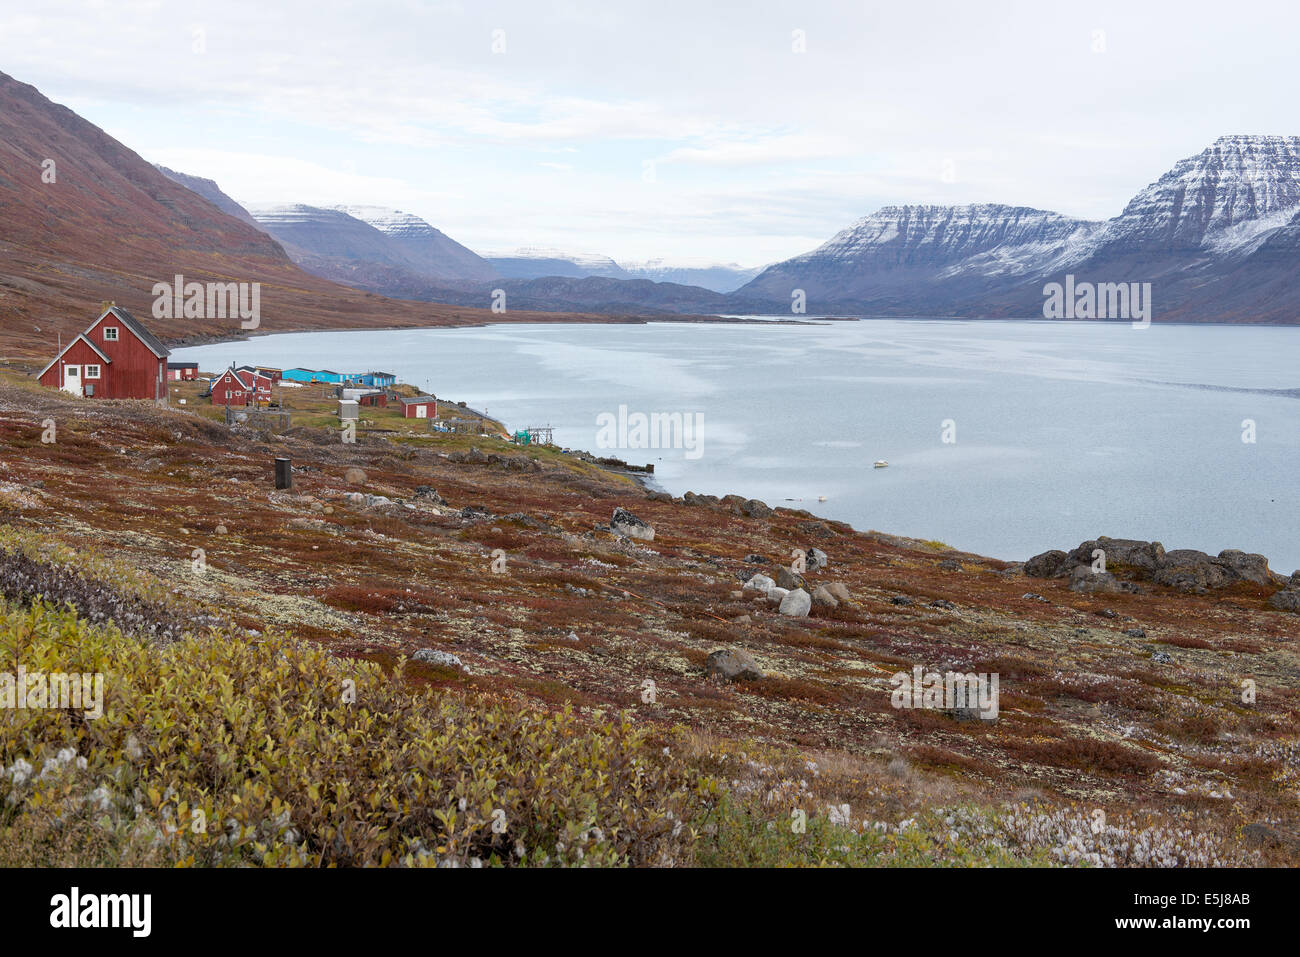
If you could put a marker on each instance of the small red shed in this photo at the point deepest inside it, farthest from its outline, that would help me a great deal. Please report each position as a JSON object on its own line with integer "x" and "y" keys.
{"x": 420, "y": 407}
{"x": 182, "y": 371}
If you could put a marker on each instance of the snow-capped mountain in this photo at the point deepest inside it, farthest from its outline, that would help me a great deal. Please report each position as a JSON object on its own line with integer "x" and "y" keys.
{"x": 716, "y": 277}
{"x": 389, "y": 252}
{"x": 329, "y": 233}
{"x": 539, "y": 262}
{"x": 536, "y": 262}
{"x": 429, "y": 251}
{"x": 1224, "y": 197}
{"x": 896, "y": 248}
{"x": 1218, "y": 237}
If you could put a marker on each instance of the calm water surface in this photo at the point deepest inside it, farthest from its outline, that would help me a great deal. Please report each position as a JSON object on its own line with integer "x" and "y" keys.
{"x": 1063, "y": 431}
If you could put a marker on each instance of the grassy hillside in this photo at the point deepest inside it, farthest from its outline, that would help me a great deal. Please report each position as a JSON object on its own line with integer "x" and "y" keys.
{"x": 259, "y": 648}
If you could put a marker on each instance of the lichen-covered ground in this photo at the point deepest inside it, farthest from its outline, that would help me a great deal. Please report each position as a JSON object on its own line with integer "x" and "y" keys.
{"x": 1151, "y": 730}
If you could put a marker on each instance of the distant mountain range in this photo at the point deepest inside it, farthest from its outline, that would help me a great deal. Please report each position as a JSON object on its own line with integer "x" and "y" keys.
{"x": 1217, "y": 238}
{"x": 536, "y": 263}
{"x": 84, "y": 219}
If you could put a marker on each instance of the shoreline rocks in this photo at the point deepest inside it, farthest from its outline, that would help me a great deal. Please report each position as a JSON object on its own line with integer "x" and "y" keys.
{"x": 1184, "y": 568}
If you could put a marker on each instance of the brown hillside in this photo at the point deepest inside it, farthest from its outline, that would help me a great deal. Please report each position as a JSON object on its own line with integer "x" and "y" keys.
{"x": 110, "y": 226}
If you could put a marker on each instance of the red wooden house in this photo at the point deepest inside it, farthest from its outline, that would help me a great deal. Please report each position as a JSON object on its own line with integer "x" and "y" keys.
{"x": 240, "y": 387}
{"x": 182, "y": 371}
{"x": 116, "y": 358}
{"x": 270, "y": 372}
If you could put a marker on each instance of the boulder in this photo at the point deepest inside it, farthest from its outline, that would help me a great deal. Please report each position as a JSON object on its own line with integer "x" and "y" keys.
{"x": 733, "y": 664}
{"x": 1190, "y": 570}
{"x": 839, "y": 591}
{"x": 755, "y": 559}
{"x": 1084, "y": 579}
{"x": 817, "y": 559}
{"x": 690, "y": 498}
{"x": 755, "y": 509}
{"x": 436, "y": 657}
{"x": 796, "y": 604}
{"x": 1046, "y": 565}
{"x": 625, "y": 523}
{"x": 788, "y": 579}
{"x": 1248, "y": 566}
{"x": 1131, "y": 552}
{"x": 1286, "y": 600}
{"x": 822, "y": 597}
{"x": 1264, "y": 836}
{"x": 760, "y": 583}
{"x": 355, "y": 476}
{"x": 776, "y": 594}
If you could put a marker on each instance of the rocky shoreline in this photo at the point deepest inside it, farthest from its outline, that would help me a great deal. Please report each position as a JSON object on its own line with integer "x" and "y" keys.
{"x": 1111, "y": 565}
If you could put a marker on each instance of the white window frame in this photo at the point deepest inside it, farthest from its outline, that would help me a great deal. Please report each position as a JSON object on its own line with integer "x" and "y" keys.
{"x": 87, "y": 374}
{"x": 110, "y": 334}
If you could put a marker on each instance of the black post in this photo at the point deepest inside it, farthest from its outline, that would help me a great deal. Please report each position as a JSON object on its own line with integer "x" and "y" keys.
{"x": 283, "y": 473}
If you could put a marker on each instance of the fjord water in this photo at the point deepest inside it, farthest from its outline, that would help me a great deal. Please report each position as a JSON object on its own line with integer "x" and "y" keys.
{"x": 1063, "y": 430}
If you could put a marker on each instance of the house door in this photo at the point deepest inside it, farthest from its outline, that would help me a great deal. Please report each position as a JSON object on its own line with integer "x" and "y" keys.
{"x": 421, "y": 411}
{"x": 72, "y": 379}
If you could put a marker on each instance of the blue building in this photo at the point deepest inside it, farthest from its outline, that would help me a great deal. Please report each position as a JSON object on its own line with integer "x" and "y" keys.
{"x": 315, "y": 375}
{"x": 377, "y": 380}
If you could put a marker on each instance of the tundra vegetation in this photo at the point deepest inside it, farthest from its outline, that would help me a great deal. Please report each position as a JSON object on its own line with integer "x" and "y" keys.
{"x": 349, "y": 677}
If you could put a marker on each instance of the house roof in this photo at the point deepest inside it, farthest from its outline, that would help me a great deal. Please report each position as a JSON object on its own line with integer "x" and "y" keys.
{"x": 388, "y": 374}
{"x": 182, "y": 365}
{"x": 144, "y": 335}
{"x": 81, "y": 338}
{"x": 419, "y": 400}
{"x": 250, "y": 373}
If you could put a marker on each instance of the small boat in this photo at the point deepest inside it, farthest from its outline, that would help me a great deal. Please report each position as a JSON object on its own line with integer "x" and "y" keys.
{"x": 880, "y": 464}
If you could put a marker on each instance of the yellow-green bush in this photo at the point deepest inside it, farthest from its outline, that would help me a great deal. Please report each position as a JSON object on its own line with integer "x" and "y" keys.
{"x": 216, "y": 751}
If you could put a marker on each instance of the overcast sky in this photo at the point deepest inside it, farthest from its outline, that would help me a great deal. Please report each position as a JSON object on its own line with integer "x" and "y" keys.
{"x": 687, "y": 131}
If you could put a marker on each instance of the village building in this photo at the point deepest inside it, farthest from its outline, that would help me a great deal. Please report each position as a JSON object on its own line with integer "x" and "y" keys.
{"x": 420, "y": 407}
{"x": 240, "y": 387}
{"x": 269, "y": 372}
{"x": 378, "y": 380}
{"x": 115, "y": 358}
{"x": 315, "y": 375}
{"x": 182, "y": 371}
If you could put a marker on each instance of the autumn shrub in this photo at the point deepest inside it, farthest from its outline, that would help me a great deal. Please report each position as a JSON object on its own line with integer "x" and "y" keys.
{"x": 217, "y": 751}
